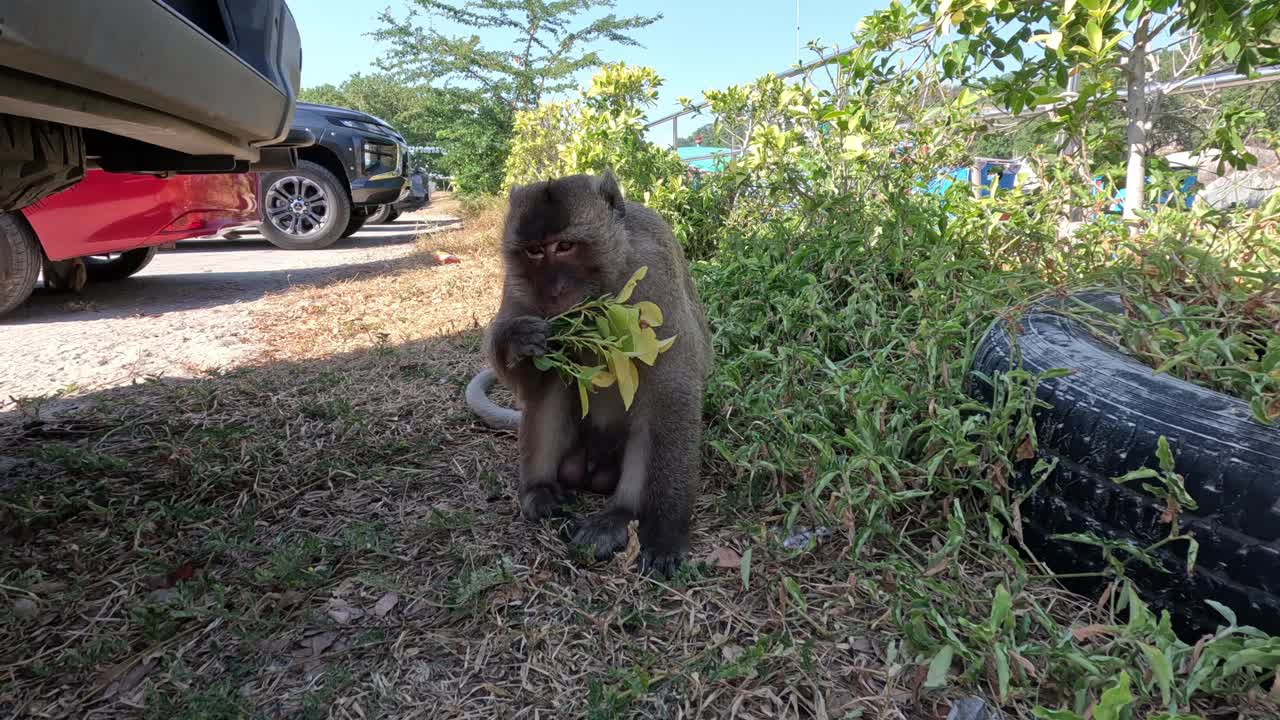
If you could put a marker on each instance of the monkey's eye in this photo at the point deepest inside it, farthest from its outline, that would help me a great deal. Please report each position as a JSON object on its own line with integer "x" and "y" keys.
{"x": 564, "y": 246}
{"x": 534, "y": 252}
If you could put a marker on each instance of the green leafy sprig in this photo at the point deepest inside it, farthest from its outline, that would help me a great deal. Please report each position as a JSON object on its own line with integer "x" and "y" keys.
{"x": 615, "y": 334}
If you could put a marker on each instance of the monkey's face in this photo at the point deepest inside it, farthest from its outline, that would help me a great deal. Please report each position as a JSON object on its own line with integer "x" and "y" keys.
{"x": 555, "y": 241}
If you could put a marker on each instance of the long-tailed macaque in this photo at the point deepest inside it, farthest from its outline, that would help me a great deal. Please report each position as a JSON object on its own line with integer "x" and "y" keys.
{"x": 567, "y": 240}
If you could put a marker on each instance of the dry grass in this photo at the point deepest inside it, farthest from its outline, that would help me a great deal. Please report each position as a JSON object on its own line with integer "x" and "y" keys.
{"x": 329, "y": 534}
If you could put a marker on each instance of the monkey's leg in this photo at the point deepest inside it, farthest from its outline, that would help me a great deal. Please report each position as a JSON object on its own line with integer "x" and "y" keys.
{"x": 547, "y": 434}
{"x": 606, "y": 531}
{"x": 672, "y": 482}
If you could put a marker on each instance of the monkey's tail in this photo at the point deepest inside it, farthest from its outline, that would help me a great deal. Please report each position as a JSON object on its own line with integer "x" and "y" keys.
{"x": 489, "y": 412}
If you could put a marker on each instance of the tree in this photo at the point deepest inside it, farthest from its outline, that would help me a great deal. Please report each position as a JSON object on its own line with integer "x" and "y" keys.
{"x": 532, "y": 49}
{"x": 548, "y": 45}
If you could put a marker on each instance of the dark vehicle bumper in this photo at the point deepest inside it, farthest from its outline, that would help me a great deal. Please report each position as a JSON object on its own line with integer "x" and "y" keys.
{"x": 384, "y": 191}
{"x": 417, "y": 197}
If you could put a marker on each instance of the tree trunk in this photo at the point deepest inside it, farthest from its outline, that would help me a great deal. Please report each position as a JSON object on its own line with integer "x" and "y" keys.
{"x": 1139, "y": 110}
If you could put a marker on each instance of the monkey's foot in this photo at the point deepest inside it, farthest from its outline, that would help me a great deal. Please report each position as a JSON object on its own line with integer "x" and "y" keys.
{"x": 605, "y": 533}
{"x": 659, "y": 561}
{"x": 543, "y": 501}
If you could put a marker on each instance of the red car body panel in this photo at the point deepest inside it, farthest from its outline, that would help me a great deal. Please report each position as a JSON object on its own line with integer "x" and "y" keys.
{"x": 113, "y": 212}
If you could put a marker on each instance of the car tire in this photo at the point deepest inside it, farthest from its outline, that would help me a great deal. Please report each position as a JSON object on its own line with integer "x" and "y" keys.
{"x": 358, "y": 219}
{"x": 1104, "y": 420}
{"x": 20, "y": 261}
{"x": 110, "y": 268}
{"x": 380, "y": 216}
{"x": 37, "y": 159}
{"x": 392, "y": 216}
{"x": 307, "y": 208}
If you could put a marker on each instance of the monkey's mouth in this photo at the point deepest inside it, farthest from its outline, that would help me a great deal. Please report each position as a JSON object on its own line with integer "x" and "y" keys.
{"x": 560, "y": 307}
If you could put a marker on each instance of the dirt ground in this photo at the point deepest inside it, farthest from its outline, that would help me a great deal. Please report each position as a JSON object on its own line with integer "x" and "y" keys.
{"x": 325, "y": 531}
{"x": 189, "y": 312}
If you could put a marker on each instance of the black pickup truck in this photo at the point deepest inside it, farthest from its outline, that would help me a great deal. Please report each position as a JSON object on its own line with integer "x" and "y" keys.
{"x": 357, "y": 165}
{"x": 155, "y": 86}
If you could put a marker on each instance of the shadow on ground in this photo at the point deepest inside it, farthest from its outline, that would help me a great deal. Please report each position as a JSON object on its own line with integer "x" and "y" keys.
{"x": 337, "y": 538}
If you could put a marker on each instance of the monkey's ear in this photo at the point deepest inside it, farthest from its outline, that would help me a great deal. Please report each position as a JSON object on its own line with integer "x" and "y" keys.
{"x": 612, "y": 194}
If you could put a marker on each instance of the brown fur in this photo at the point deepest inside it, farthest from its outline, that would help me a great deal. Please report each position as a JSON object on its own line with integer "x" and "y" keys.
{"x": 647, "y": 458}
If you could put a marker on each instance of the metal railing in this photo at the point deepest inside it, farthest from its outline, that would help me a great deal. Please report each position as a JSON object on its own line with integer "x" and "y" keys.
{"x": 674, "y": 118}
{"x": 1212, "y": 82}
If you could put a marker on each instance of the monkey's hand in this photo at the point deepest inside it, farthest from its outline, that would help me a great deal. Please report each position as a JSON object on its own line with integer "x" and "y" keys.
{"x": 525, "y": 337}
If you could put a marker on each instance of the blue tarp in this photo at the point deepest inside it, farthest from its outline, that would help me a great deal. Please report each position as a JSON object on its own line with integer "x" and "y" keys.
{"x": 705, "y": 164}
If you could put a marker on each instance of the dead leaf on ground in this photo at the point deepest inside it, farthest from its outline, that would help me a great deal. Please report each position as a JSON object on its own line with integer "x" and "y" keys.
{"x": 1088, "y": 631}
{"x": 725, "y": 558}
{"x": 314, "y": 645}
{"x": 289, "y": 598}
{"x": 124, "y": 676}
{"x": 938, "y": 567}
{"x": 1027, "y": 666}
{"x": 627, "y": 558}
{"x": 385, "y": 604}
{"x": 342, "y": 613}
{"x": 1026, "y": 451}
{"x": 48, "y": 587}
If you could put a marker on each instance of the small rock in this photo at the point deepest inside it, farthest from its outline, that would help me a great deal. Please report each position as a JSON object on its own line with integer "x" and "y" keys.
{"x": 25, "y": 608}
{"x": 972, "y": 708}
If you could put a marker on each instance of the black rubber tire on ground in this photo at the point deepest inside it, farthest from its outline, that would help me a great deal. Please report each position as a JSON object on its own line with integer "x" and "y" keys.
{"x": 110, "y": 268}
{"x": 37, "y": 158}
{"x": 392, "y": 216}
{"x": 380, "y": 216}
{"x": 1104, "y": 420}
{"x": 338, "y": 211}
{"x": 358, "y": 218}
{"x": 20, "y": 261}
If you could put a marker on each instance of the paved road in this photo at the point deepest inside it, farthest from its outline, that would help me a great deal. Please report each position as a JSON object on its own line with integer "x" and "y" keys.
{"x": 189, "y": 310}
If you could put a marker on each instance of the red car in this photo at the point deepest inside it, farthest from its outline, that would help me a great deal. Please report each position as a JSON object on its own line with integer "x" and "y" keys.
{"x": 108, "y": 226}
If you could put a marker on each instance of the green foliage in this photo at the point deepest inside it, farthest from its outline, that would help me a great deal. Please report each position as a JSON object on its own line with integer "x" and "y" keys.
{"x": 846, "y": 304}
{"x": 603, "y": 129}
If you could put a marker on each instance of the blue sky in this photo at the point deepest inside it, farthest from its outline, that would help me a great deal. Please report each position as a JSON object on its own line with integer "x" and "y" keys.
{"x": 698, "y": 44}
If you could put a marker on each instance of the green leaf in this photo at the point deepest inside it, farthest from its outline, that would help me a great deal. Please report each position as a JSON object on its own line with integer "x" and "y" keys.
{"x": 1094, "y": 33}
{"x": 1043, "y": 714}
{"x": 644, "y": 346}
{"x": 1161, "y": 669}
{"x": 1262, "y": 658}
{"x": 1224, "y": 611}
{"x": 793, "y": 590}
{"x": 1001, "y": 610}
{"x": 665, "y": 345}
{"x": 1193, "y": 552}
{"x": 650, "y": 313}
{"x": 966, "y": 98}
{"x": 744, "y": 568}
{"x": 1258, "y": 408}
{"x": 1271, "y": 360}
{"x": 939, "y": 667}
{"x": 1164, "y": 454}
{"x": 1115, "y": 699}
{"x": 582, "y": 396}
{"x": 625, "y": 294}
{"x": 542, "y": 362}
{"x": 625, "y": 371}
{"x": 1002, "y": 671}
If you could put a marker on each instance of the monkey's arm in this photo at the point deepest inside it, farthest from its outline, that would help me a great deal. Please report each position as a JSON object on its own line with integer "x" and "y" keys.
{"x": 516, "y": 335}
